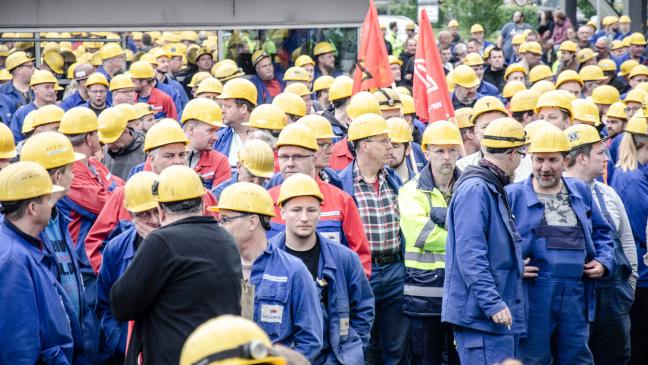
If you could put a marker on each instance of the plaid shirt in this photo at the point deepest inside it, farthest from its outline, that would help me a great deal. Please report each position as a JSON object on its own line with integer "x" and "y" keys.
{"x": 379, "y": 213}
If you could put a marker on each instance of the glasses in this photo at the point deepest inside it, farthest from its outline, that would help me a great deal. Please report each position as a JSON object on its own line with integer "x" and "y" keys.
{"x": 384, "y": 142}
{"x": 324, "y": 146}
{"x": 521, "y": 151}
{"x": 98, "y": 91}
{"x": 294, "y": 157}
{"x": 225, "y": 220}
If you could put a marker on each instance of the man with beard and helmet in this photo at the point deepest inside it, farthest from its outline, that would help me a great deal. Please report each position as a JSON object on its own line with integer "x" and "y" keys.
{"x": 406, "y": 157}
{"x": 113, "y": 60}
{"x": 466, "y": 84}
{"x": 324, "y": 55}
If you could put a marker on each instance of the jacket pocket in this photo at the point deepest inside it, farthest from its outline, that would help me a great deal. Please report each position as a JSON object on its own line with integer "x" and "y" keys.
{"x": 272, "y": 311}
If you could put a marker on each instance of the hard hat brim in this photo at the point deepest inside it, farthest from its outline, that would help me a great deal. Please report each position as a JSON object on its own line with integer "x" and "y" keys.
{"x": 469, "y": 85}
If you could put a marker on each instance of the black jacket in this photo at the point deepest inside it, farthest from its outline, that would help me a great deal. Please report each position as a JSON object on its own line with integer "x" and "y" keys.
{"x": 121, "y": 162}
{"x": 495, "y": 77}
{"x": 182, "y": 275}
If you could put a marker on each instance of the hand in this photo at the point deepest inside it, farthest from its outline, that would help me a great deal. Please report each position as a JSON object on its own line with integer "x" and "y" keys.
{"x": 594, "y": 269}
{"x": 530, "y": 271}
{"x": 142, "y": 228}
{"x": 503, "y": 317}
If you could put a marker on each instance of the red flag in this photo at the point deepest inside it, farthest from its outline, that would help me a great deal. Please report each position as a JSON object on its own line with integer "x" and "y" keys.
{"x": 372, "y": 70}
{"x": 430, "y": 90}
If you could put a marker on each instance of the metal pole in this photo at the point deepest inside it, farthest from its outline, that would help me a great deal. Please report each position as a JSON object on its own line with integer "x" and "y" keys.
{"x": 37, "y": 49}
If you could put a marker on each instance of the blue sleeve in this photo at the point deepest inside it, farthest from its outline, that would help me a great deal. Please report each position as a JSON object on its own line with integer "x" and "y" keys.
{"x": 16, "y": 126}
{"x": 115, "y": 336}
{"x": 305, "y": 305}
{"x": 361, "y": 299}
{"x": 601, "y": 236}
{"x": 472, "y": 209}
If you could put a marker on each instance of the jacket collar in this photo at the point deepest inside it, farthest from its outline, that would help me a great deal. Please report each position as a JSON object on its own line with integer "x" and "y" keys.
{"x": 327, "y": 260}
{"x": 532, "y": 199}
{"x": 426, "y": 180}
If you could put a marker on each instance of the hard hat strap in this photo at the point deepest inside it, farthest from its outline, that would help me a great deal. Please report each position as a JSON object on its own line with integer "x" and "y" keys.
{"x": 253, "y": 350}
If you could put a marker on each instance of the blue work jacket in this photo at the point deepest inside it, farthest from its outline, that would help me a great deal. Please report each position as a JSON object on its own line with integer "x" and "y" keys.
{"x": 12, "y": 99}
{"x": 332, "y": 175}
{"x": 263, "y": 95}
{"x": 72, "y": 100}
{"x": 18, "y": 119}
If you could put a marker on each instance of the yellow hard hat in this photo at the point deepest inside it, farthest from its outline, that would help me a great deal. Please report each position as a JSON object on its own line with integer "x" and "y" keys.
{"x": 581, "y": 135}
{"x": 227, "y": 71}
{"x": 592, "y": 25}
{"x": 25, "y": 180}
{"x": 16, "y": 59}
{"x": 504, "y": 133}
{"x": 70, "y": 71}
{"x": 549, "y": 139}
{"x": 624, "y": 19}
{"x": 141, "y": 70}
{"x": 410, "y": 26}
{"x": 142, "y": 109}
{"x": 532, "y": 47}
{"x": 258, "y": 158}
{"x": 554, "y": 99}
{"x": 319, "y": 126}
{"x": 138, "y": 192}
{"x": 585, "y": 55}
{"x": 487, "y": 104}
{"x": 297, "y": 89}
{"x": 627, "y": 66}
{"x": 290, "y": 103}
{"x": 177, "y": 183}
{"x": 209, "y": 85}
{"x": 605, "y": 94}
{"x": 128, "y": 111}
{"x": 617, "y": 110}
{"x": 341, "y": 88}
{"x": 239, "y": 88}
{"x": 607, "y": 64}
{"x": 322, "y": 48}
{"x": 616, "y": 44}
{"x": 513, "y": 87}
{"x": 568, "y": 46}
{"x": 163, "y": 133}
{"x": 473, "y": 59}
{"x": 585, "y": 111}
{"x": 50, "y": 150}
{"x": 465, "y": 76}
{"x": 399, "y": 130}
{"x": 362, "y": 103}
{"x": 642, "y": 85}
{"x": 638, "y": 70}
{"x": 298, "y": 185}
{"x": 543, "y": 86}
{"x": 323, "y": 82}
{"x": 591, "y": 73}
{"x": 636, "y": 95}
{"x": 402, "y": 90}
{"x": 175, "y": 49}
{"x": 535, "y": 126}
{"x": 97, "y": 79}
{"x": 408, "y": 106}
{"x": 121, "y": 81}
{"x": 518, "y": 39}
{"x": 112, "y": 124}
{"x": 367, "y": 125}
{"x": 296, "y": 73}
{"x": 567, "y": 76}
{"x": 203, "y": 110}
{"x": 462, "y": 117}
{"x": 304, "y": 60}
{"x": 514, "y": 67}
{"x": 297, "y": 134}
{"x": 441, "y": 133}
{"x": 524, "y": 100}
{"x": 453, "y": 23}
{"x": 388, "y": 99}
{"x": 42, "y": 77}
{"x": 476, "y": 28}
{"x": 78, "y": 120}
{"x": 5, "y": 75}
{"x": 450, "y": 81}
{"x": 54, "y": 60}
{"x": 637, "y": 125}
{"x": 47, "y": 114}
{"x": 110, "y": 50}
{"x": 221, "y": 337}
{"x": 7, "y": 143}
{"x": 637, "y": 39}
{"x": 258, "y": 55}
{"x": 198, "y": 77}
{"x": 393, "y": 60}
{"x": 246, "y": 197}
{"x": 267, "y": 116}
{"x": 609, "y": 20}
{"x": 95, "y": 60}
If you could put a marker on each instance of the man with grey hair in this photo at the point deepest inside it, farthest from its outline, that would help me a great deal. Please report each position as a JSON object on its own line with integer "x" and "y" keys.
{"x": 583, "y": 36}
{"x": 445, "y": 39}
{"x": 602, "y": 47}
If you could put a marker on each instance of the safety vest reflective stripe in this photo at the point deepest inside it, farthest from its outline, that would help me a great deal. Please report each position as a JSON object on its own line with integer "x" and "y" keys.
{"x": 425, "y": 257}
{"x": 422, "y": 237}
{"x": 423, "y": 291}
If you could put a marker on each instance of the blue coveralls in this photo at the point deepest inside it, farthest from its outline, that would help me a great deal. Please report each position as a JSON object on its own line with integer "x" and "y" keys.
{"x": 349, "y": 310}
{"x": 12, "y": 99}
{"x": 560, "y": 301}
{"x": 72, "y": 101}
{"x": 18, "y": 119}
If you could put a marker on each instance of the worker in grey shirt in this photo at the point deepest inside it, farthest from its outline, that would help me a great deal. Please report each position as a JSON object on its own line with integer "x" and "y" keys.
{"x": 610, "y": 331}
{"x": 509, "y": 30}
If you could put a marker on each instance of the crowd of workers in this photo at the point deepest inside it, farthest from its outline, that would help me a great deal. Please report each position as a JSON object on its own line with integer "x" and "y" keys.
{"x": 172, "y": 209}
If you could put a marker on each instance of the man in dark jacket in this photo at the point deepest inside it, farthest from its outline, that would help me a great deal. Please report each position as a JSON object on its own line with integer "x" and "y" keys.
{"x": 495, "y": 68}
{"x": 123, "y": 149}
{"x": 183, "y": 274}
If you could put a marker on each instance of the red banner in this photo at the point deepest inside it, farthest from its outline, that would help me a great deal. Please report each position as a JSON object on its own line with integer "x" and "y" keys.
{"x": 372, "y": 70}
{"x": 430, "y": 90}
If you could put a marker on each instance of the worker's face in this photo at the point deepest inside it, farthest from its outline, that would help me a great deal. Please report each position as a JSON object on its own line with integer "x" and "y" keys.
{"x": 310, "y": 69}
{"x": 41, "y": 210}
{"x": 396, "y": 71}
{"x": 265, "y": 69}
{"x": 391, "y": 113}
{"x": 472, "y": 47}
{"x": 97, "y": 95}
{"x": 446, "y": 55}
{"x": 496, "y": 59}
{"x": 483, "y": 121}
{"x": 411, "y": 46}
{"x": 516, "y": 76}
{"x": 163, "y": 64}
{"x": 614, "y": 126}
{"x": 517, "y": 17}
{"x": 637, "y": 80}
{"x": 118, "y": 63}
{"x": 169, "y": 155}
{"x": 631, "y": 108}
{"x": 209, "y": 95}
{"x": 566, "y": 56}
{"x": 548, "y": 168}
{"x": 624, "y": 27}
{"x": 45, "y": 93}
{"x": 323, "y": 98}
{"x": 50, "y": 127}
{"x": 442, "y": 158}
{"x": 122, "y": 142}
{"x": 145, "y": 222}
{"x": 244, "y": 175}
{"x": 175, "y": 63}
{"x": 466, "y": 95}
{"x": 617, "y": 52}
{"x": 232, "y": 113}
{"x": 301, "y": 215}
{"x": 24, "y": 72}
{"x": 583, "y": 34}
{"x": 146, "y": 122}
{"x": 238, "y": 224}
{"x": 205, "y": 62}
{"x": 603, "y": 109}
{"x": 554, "y": 116}
{"x": 63, "y": 177}
{"x": 532, "y": 58}
{"x": 4, "y": 162}
{"x": 573, "y": 87}
{"x": 397, "y": 154}
{"x": 636, "y": 50}
{"x": 202, "y": 135}
{"x": 478, "y": 36}
{"x": 327, "y": 60}
{"x": 323, "y": 154}
{"x": 377, "y": 148}
{"x": 293, "y": 160}
{"x": 124, "y": 96}
{"x": 596, "y": 163}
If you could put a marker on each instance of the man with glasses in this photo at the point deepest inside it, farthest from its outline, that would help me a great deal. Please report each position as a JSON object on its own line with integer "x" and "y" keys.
{"x": 16, "y": 93}
{"x": 340, "y": 220}
{"x": 113, "y": 60}
{"x": 122, "y": 90}
{"x": 79, "y": 97}
{"x": 375, "y": 190}
{"x": 97, "y": 87}
{"x": 482, "y": 255}
{"x": 278, "y": 292}
{"x": 43, "y": 84}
